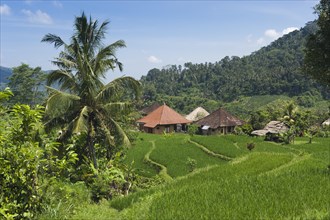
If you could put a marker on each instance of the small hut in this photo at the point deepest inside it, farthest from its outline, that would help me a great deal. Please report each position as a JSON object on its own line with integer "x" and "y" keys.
{"x": 272, "y": 130}
{"x": 163, "y": 119}
{"x": 326, "y": 123}
{"x": 219, "y": 121}
{"x": 197, "y": 114}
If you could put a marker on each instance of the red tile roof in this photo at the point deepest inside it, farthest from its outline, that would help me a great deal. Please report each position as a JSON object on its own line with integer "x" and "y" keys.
{"x": 150, "y": 109}
{"x": 163, "y": 115}
{"x": 219, "y": 118}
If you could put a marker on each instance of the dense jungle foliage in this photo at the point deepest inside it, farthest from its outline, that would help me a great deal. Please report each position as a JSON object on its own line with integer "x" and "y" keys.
{"x": 273, "y": 70}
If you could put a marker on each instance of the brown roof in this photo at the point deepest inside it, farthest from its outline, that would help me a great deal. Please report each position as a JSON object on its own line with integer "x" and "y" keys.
{"x": 273, "y": 127}
{"x": 219, "y": 118}
{"x": 163, "y": 115}
{"x": 150, "y": 108}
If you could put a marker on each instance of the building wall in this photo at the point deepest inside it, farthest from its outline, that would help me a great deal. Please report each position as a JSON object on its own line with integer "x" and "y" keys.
{"x": 159, "y": 129}
{"x": 220, "y": 130}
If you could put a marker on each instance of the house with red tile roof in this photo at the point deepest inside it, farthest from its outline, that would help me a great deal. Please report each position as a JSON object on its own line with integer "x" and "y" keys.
{"x": 219, "y": 122}
{"x": 163, "y": 119}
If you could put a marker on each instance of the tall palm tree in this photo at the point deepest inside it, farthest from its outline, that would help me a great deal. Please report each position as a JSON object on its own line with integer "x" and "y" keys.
{"x": 82, "y": 101}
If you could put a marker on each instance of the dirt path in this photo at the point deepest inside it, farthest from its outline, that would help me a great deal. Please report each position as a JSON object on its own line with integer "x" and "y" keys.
{"x": 211, "y": 153}
{"x": 163, "y": 170}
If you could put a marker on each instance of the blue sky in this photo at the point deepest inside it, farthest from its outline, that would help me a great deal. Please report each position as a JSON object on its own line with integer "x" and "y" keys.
{"x": 157, "y": 33}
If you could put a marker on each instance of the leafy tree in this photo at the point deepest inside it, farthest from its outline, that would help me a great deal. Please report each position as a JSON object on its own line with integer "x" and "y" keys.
{"x": 27, "y": 162}
{"x": 83, "y": 102}
{"x": 317, "y": 53}
{"x": 26, "y": 84}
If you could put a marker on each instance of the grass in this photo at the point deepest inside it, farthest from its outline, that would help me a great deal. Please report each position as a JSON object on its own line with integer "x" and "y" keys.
{"x": 240, "y": 192}
{"x": 220, "y": 144}
{"x": 135, "y": 157}
{"x": 174, "y": 153}
{"x": 273, "y": 181}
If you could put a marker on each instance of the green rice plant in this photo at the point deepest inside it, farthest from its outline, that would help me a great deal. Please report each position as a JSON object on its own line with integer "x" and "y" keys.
{"x": 319, "y": 148}
{"x": 205, "y": 195}
{"x": 135, "y": 157}
{"x": 220, "y": 145}
{"x": 100, "y": 211}
{"x": 273, "y": 182}
{"x": 173, "y": 152}
{"x": 239, "y": 192}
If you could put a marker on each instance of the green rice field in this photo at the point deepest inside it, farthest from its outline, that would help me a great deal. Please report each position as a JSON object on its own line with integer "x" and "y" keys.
{"x": 273, "y": 181}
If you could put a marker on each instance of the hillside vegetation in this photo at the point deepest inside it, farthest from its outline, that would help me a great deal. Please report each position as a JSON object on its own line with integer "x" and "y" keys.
{"x": 272, "y": 70}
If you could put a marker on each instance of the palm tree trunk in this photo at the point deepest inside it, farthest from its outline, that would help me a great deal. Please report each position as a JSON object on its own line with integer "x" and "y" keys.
{"x": 90, "y": 145}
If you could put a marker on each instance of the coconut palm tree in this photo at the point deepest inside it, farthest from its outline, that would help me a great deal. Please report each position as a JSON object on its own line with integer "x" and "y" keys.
{"x": 83, "y": 102}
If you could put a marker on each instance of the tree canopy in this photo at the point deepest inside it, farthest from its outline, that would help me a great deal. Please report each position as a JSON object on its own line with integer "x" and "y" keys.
{"x": 317, "y": 58}
{"x": 27, "y": 85}
{"x": 273, "y": 70}
{"x": 83, "y": 102}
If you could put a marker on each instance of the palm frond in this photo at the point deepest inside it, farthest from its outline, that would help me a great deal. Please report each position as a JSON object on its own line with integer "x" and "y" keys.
{"x": 119, "y": 133}
{"x": 53, "y": 39}
{"x": 80, "y": 124}
{"x": 59, "y": 102}
{"x": 123, "y": 84}
{"x": 64, "y": 78}
{"x": 117, "y": 108}
{"x": 109, "y": 138}
{"x": 100, "y": 33}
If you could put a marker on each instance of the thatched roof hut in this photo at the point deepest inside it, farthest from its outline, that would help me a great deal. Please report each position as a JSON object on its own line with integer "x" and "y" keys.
{"x": 219, "y": 121}
{"x": 273, "y": 127}
{"x": 326, "y": 123}
{"x": 197, "y": 114}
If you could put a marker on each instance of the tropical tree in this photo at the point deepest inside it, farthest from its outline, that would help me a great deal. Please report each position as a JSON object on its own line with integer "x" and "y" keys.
{"x": 83, "y": 102}
{"x": 27, "y": 85}
{"x": 317, "y": 53}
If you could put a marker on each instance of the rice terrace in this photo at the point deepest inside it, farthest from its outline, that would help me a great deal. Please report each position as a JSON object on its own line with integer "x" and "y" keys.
{"x": 273, "y": 181}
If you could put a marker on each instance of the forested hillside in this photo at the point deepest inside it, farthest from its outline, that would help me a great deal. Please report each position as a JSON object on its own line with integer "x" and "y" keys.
{"x": 4, "y": 74}
{"x": 272, "y": 70}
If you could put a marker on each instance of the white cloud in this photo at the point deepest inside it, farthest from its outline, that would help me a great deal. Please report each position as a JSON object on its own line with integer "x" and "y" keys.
{"x": 4, "y": 9}
{"x": 38, "y": 17}
{"x": 289, "y": 29}
{"x": 269, "y": 36}
{"x": 57, "y": 4}
{"x": 249, "y": 38}
{"x": 153, "y": 59}
{"x": 260, "y": 41}
{"x": 273, "y": 34}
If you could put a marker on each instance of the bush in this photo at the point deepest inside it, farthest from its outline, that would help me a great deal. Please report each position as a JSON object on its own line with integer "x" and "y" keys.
{"x": 250, "y": 146}
{"x": 192, "y": 129}
{"x": 191, "y": 163}
{"x": 21, "y": 160}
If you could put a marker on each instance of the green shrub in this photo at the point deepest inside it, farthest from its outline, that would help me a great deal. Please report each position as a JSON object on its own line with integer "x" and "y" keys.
{"x": 250, "y": 146}
{"x": 192, "y": 129}
{"x": 191, "y": 164}
{"x": 21, "y": 160}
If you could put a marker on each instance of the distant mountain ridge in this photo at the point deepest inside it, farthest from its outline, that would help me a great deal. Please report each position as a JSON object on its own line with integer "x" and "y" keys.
{"x": 272, "y": 70}
{"x": 4, "y": 74}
